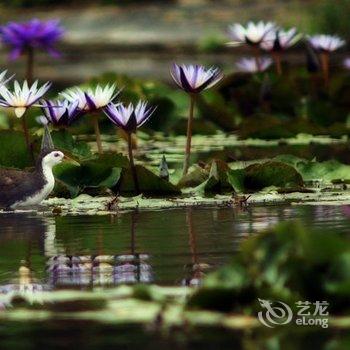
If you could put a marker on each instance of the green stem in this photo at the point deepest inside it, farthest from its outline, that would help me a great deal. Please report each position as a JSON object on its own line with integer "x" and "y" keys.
{"x": 189, "y": 135}
{"x": 132, "y": 164}
{"x": 29, "y": 78}
{"x": 97, "y": 133}
{"x": 278, "y": 63}
{"x": 325, "y": 67}
{"x": 30, "y": 66}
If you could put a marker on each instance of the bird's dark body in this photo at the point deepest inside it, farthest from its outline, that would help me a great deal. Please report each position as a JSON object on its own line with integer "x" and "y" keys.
{"x": 17, "y": 185}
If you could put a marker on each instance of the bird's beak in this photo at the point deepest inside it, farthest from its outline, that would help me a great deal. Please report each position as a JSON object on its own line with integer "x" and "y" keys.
{"x": 70, "y": 160}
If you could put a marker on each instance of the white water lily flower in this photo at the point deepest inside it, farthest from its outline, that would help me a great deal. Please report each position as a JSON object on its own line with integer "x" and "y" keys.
{"x": 91, "y": 100}
{"x": 280, "y": 40}
{"x": 249, "y": 64}
{"x": 22, "y": 97}
{"x": 251, "y": 34}
{"x": 326, "y": 43}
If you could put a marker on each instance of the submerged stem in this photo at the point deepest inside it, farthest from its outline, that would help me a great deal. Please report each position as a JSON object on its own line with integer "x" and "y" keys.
{"x": 189, "y": 135}
{"x": 132, "y": 164}
{"x": 97, "y": 133}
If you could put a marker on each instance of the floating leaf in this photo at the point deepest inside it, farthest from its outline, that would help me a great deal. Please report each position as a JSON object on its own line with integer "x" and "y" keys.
{"x": 258, "y": 176}
{"x": 148, "y": 182}
{"x": 98, "y": 173}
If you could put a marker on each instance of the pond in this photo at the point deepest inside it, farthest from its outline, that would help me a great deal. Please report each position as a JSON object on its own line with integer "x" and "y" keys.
{"x": 166, "y": 247}
{"x": 169, "y": 247}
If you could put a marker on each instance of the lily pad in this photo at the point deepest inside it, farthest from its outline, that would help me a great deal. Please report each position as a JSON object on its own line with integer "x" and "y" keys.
{"x": 63, "y": 140}
{"x": 13, "y": 150}
{"x": 103, "y": 172}
{"x": 148, "y": 182}
{"x": 258, "y": 176}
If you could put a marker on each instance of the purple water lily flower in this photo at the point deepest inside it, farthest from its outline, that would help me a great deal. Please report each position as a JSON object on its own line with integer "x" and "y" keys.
{"x": 280, "y": 40}
{"x": 60, "y": 113}
{"x": 34, "y": 34}
{"x": 250, "y": 65}
{"x": 93, "y": 101}
{"x": 326, "y": 43}
{"x": 251, "y": 34}
{"x": 195, "y": 78}
{"x": 129, "y": 118}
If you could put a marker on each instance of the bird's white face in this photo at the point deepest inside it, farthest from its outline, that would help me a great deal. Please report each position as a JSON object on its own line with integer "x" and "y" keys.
{"x": 53, "y": 158}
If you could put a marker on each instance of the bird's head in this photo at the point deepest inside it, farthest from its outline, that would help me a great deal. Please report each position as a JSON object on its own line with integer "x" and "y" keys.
{"x": 51, "y": 158}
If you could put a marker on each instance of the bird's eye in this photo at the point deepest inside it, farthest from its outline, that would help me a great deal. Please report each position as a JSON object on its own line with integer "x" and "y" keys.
{"x": 56, "y": 154}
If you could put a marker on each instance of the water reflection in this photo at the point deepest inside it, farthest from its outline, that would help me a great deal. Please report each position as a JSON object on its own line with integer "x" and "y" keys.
{"x": 166, "y": 247}
{"x": 101, "y": 269}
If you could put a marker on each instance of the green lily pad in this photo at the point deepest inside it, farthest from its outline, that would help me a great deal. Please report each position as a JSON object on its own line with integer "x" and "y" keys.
{"x": 103, "y": 172}
{"x": 149, "y": 182}
{"x": 258, "y": 176}
{"x": 13, "y": 150}
{"x": 63, "y": 140}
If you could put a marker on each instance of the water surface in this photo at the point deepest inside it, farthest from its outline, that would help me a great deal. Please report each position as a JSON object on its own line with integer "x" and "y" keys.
{"x": 169, "y": 247}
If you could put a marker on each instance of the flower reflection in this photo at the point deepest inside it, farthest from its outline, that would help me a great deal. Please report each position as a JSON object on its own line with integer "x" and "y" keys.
{"x": 195, "y": 270}
{"x": 101, "y": 270}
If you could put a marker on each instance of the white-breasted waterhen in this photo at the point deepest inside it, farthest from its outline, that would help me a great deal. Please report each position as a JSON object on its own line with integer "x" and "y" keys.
{"x": 21, "y": 188}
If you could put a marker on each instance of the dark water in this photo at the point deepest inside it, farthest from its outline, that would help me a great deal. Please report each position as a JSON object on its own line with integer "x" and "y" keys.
{"x": 170, "y": 247}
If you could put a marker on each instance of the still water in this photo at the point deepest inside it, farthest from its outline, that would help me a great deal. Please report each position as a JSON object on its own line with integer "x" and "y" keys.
{"x": 171, "y": 247}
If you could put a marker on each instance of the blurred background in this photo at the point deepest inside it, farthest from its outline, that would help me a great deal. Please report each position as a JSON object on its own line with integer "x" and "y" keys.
{"x": 141, "y": 38}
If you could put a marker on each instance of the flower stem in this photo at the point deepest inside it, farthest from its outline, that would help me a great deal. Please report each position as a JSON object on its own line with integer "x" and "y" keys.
{"x": 26, "y": 133}
{"x": 30, "y": 66}
{"x": 257, "y": 58}
{"x": 29, "y": 78}
{"x": 325, "y": 67}
{"x": 97, "y": 133}
{"x": 189, "y": 135}
{"x": 132, "y": 164}
{"x": 278, "y": 63}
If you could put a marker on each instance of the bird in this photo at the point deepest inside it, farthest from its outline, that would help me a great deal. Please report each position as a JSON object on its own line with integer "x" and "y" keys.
{"x": 22, "y": 189}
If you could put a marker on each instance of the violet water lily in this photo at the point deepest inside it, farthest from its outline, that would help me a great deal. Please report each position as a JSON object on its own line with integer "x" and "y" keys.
{"x": 253, "y": 34}
{"x": 92, "y": 101}
{"x": 21, "y": 98}
{"x": 129, "y": 118}
{"x": 249, "y": 65}
{"x": 59, "y": 113}
{"x": 324, "y": 45}
{"x": 193, "y": 79}
{"x": 278, "y": 41}
{"x": 24, "y": 38}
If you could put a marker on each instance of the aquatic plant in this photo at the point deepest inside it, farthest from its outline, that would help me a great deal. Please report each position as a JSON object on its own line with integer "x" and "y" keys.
{"x": 249, "y": 65}
{"x": 324, "y": 45}
{"x": 278, "y": 41}
{"x": 59, "y": 113}
{"x": 129, "y": 118}
{"x": 92, "y": 101}
{"x": 24, "y": 38}
{"x": 193, "y": 79}
{"x": 253, "y": 34}
{"x": 22, "y": 98}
